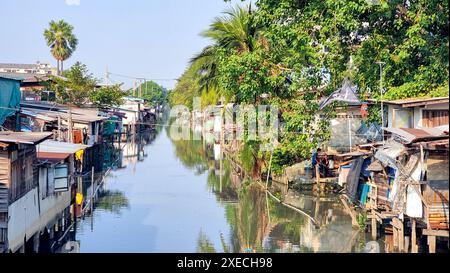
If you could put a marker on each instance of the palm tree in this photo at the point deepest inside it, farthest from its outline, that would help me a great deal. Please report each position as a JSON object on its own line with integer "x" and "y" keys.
{"x": 236, "y": 30}
{"x": 61, "y": 40}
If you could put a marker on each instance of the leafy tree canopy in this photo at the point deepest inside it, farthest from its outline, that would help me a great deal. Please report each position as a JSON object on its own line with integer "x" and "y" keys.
{"x": 107, "y": 96}
{"x": 75, "y": 86}
{"x": 154, "y": 93}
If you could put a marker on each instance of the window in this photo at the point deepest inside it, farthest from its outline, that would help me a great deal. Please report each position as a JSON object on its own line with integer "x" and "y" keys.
{"x": 43, "y": 182}
{"x": 61, "y": 178}
{"x": 434, "y": 118}
{"x": 3, "y": 235}
{"x": 402, "y": 118}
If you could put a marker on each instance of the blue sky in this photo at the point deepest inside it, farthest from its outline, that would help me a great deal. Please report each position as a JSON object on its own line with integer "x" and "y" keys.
{"x": 142, "y": 38}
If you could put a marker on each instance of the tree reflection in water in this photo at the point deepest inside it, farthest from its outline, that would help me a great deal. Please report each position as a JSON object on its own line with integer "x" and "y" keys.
{"x": 112, "y": 201}
{"x": 259, "y": 223}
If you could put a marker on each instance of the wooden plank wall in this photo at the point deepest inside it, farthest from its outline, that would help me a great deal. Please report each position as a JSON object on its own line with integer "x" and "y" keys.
{"x": 24, "y": 176}
{"x": 435, "y": 118}
{"x": 4, "y": 181}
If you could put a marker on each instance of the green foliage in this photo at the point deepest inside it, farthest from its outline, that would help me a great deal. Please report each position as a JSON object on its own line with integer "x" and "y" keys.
{"x": 297, "y": 52}
{"x": 362, "y": 220}
{"x": 204, "y": 244}
{"x": 248, "y": 157}
{"x": 235, "y": 31}
{"x": 112, "y": 201}
{"x": 186, "y": 89}
{"x": 76, "y": 86}
{"x": 107, "y": 96}
{"x": 442, "y": 91}
{"x": 153, "y": 93}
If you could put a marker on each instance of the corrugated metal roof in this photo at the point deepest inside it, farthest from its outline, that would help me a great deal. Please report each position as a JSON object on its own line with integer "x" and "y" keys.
{"x": 37, "y": 115}
{"x": 52, "y": 157}
{"x": 24, "y": 137}
{"x": 388, "y": 154}
{"x": 51, "y": 146}
{"x": 411, "y": 102}
{"x": 29, "y": 77}
{"x": 10, "y": 77}
{"x": 78, "y": 115}
{"x": 21, "y": 66}
{"x": 25, "y": 77}
{"x": 410, "y": 135}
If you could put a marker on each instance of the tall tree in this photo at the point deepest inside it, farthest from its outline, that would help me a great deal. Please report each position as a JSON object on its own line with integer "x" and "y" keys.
{"x": 235, "y": 30}
{"x": 77, "y": 86}
{"x": 61, "y": 40}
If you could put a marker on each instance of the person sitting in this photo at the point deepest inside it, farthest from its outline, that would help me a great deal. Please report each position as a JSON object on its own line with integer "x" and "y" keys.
{"x": 314, "y": 161}
{"x": 323, "y": 166}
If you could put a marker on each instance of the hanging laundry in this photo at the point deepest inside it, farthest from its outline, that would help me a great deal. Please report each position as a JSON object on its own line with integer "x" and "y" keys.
{"x": 79, "y": 155}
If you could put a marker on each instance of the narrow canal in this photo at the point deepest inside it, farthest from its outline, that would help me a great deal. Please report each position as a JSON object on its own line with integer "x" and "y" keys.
{"x": 178, "y": 196}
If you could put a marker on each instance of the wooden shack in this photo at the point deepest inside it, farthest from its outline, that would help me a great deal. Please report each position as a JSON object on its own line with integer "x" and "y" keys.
{"x": 18, "y": 175}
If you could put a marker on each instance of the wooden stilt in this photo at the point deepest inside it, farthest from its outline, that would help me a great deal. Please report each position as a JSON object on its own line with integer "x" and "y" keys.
{"x": 414, "y": 248}
{"x": 374, "y": 226}
{"x": 407, "y": 243}
{"x": 394, "y": 235}
{"x": 401, "y": 237}
{"x": 432, "y": 244}
{"x": 317, "y": 177}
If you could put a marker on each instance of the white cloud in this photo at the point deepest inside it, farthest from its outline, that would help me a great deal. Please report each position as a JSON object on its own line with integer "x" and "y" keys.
{"x": 73, "y": 2}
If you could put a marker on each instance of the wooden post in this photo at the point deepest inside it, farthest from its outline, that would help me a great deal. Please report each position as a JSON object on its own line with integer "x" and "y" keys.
{"x": 317, "y": 177}
{"x": 59, "y": 128}
{"x": 407, "y": 243}
{"x": 414, "y": 248}
{"x": 432, "y": 244}
{"x": 401, "y": 237}
{"x": 374, "y": 226}
{"x": 92, "y": 189}
{"x": 70, "y": 135}
{"x": 395, "y": 237}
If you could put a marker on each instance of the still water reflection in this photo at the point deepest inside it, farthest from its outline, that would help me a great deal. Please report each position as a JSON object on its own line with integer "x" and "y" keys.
{"x": 180, "y": 196}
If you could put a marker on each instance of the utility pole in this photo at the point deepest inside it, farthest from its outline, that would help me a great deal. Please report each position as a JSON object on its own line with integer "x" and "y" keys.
{"x": 107, "y": 76}
{"x": 382, "y": 94}
{"x": 70, "y": 134}
{"x": 59, "y": 128}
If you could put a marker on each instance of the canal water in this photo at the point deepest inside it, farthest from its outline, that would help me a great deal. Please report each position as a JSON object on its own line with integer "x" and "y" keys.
{"x": 180, "y": 196}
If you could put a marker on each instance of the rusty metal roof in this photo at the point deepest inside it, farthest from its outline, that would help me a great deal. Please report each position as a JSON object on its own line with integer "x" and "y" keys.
{"x": 410, "y": 135}
{"x": 52, "y": 157}
{"x": 24, "y": 137}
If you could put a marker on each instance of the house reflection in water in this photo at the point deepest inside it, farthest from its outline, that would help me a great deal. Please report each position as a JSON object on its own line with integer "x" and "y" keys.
{"x": 258, "y": 223}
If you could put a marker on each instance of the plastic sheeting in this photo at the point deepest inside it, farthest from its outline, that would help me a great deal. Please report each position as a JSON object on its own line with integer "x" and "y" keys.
{"x": 372, "y": 132}
{"x": 9, "y": 98}
{"x": 347, "y": 94}
{"x": 413, "y": 201}
{"x": 353, "y": 178}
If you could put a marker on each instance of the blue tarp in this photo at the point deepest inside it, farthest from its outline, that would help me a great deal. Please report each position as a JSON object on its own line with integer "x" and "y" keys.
{"x": 9, "y": 98}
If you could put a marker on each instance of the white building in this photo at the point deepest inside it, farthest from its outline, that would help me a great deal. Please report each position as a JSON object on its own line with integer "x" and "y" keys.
{"x": 418, "y": 112}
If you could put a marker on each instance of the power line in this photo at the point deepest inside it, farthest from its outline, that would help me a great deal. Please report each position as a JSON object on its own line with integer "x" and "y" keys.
{"x": 139, "y": 78}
